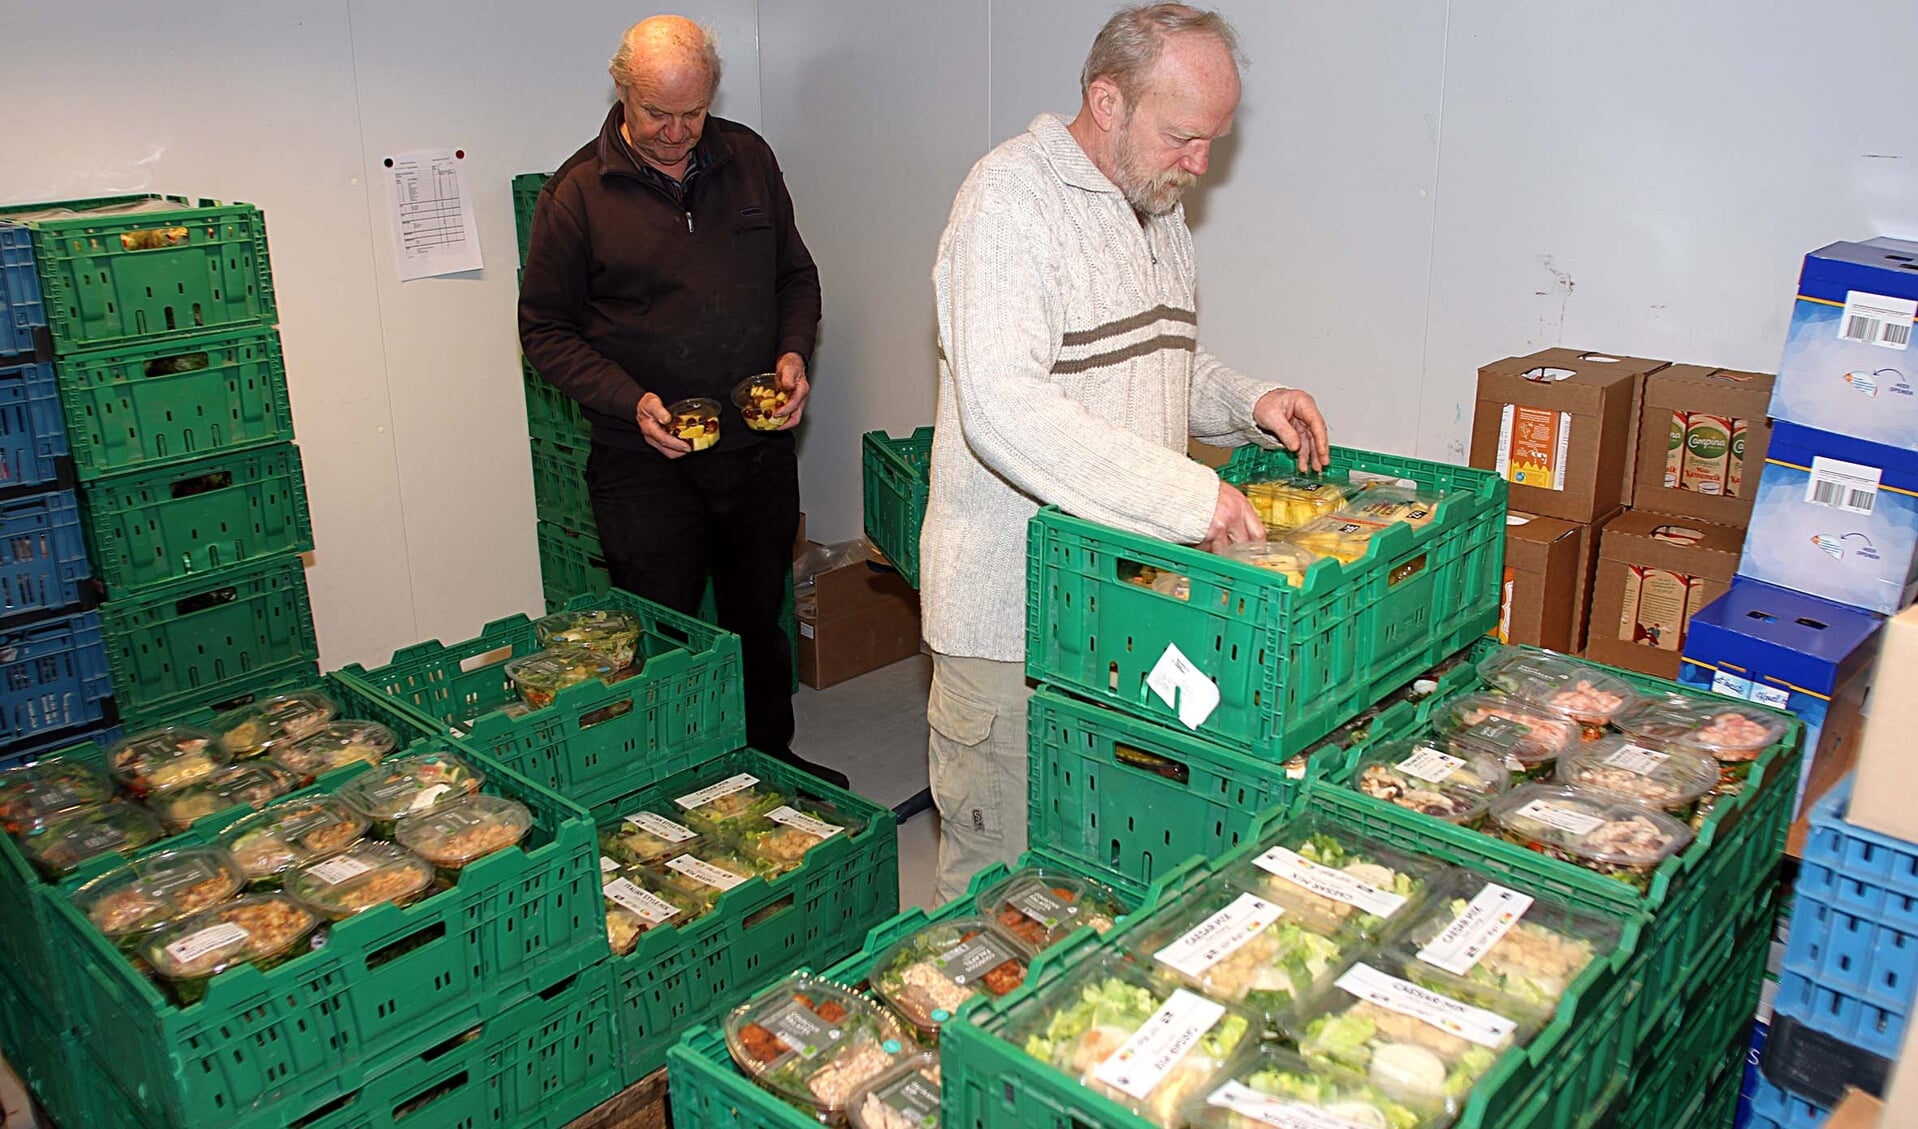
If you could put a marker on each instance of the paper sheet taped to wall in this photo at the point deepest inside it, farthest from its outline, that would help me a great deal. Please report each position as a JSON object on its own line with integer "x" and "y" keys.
{"x": 434, "y": 229}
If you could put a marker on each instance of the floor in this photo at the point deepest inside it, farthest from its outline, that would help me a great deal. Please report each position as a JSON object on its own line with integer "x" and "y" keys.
{"x": 873, "y": 728}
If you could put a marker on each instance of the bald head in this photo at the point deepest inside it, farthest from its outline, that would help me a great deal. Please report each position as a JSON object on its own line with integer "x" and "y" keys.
{"x": 666, "y": 51}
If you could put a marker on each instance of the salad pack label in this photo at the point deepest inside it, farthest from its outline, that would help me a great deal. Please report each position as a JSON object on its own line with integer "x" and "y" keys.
{"x": 1560, "y": 817}
{"x": 98, "y": 839}
{"x": 1430, "y": 765}
{"x": 295, "y": 826}
{"x": 1487, "y": 1029}
{"x": 972, "y": 958}
{"x": 1219, "y": 936}
{"x": 608, "y": 864}
{"x": 337, "y": 870}
{"x": 799, "y": 821}
{"x": 1483, "y": 923}
{"x": 1276, "y": 1112}
{"x": 1500, "y": 732}
{"x": 1150, "y": 1053}
{"x": 717, "y": 791}
{"x": 178, "y": 877}
{"x": 200, "y": 942}
{"x": 1041, "y": 905}
{"x": 48, "y": 797}
{"x": 1638, "y": 759}
{"x": 705, "y": 873}
{"x": 914, "y": 1097}
{"x": 1329, "y": 883}
{"x": 660, "y": 827}
{"x": 644, "y": 904}
{"x": 429, "y": 795}
{"x": 800, "y": 1028}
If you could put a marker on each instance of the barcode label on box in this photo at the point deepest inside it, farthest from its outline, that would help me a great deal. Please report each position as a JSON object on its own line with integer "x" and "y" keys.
{"x": 1852, "y": 487}
{"x": 1875, "y": 319}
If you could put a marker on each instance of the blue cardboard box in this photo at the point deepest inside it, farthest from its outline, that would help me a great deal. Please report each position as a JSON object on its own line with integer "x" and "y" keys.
{"x": 1849, "y": 363}
{"x": 1786, "y": 650}
{"x": 1836, "y": 517}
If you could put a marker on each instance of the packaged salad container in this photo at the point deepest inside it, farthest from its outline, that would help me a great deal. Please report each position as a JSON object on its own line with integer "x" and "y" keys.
{"x": 906, "y": 1096}
{"x": 1567, "y": 688}
{"x": 253, "y": 783}
{"x": 1344, "y": 539}
{"x": 36, "y": 794}
{"x": 1488, "y": 944}
{"x": 1388, "y": 504}
{"x": 703, "y": 875}
{"x": 645, "y": 838}
{"x": 1525, "y": 738}
{"x": 605, "y": 631}
{"x": 451, "y": 836}
{"x": 757, "y": 398}
{"x": 1118, "y": 1029}
{"x": 58, "y": 847}
{"x": 1669, "y": 779}
{"x": 540, "y": 676}
{"x": 779, "y": 843}
{"x": 406, "y": 785}
{"x": 1328, "y": 878}
{"x": 257, "y": 729}
{"x": 157, "y": 890}
{"x": 336, "y": 745}
{"x": 729, "y": 807}
{"x": 1274, "y": 1086}
{"x": 1039, "y": 907}
{"x": 1418, "y": 776}
{"x": 362, "y": 876}
{"x": 636, "y": 906}
{"x": 164, "y": 758}
{"x": 1730, "y": 733}
{"x": 1616, "y": 838}
{"x": 1289, "y": 561}
{"x": 264, "y": 930}
{"x": 291, "y": 833}
{"x": 1287, "y": 503}
{"x": 927, "y": 974}
{"x": 1234, "y": 945}
{"x": 696, "y": 421}
{"x": 813, "y": 1043}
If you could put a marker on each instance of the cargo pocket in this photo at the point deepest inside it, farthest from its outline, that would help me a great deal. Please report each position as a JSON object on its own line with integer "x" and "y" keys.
{"x": 965, "y": 782}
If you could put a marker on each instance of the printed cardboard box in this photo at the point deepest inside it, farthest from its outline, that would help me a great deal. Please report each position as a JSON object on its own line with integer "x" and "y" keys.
{"x": 1540, "y": 601}
{"x": 1654, "y": 572}
{"x": 1849, "y": 366}
{"x": 1702, "y": 437}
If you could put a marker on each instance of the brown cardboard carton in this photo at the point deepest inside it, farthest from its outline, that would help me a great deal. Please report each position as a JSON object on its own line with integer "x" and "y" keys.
{"x": 1560, "y": 425}
{"x": 1881, "y": 799}
{"x": 1860, "y": 1110}
{"x": 1721, "y": 448}
{"x": 858, "y": 620}
{"x": 1540, "y": 603}
{"x": 1588, "y": 541}
{"x": 1654, "y": 571}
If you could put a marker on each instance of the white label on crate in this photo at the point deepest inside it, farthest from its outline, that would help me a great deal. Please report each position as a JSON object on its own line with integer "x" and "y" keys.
{"x": 1144, "y": 1059}
{"x": 1638, "y": 759}
{"x": 659, "y": 827}
{"x": 1851, "y": 487}
{"x": 1875, "y": 319}
{"x": 1328, "y": 883}
{"x": 1485, "y": 1028}
{"x": 1219, "y": 936}
{"x": 644, "y": 904}
{"x": 1569, "y": 820}
{"x": 799, "y": 821}
{"x": 428, "y": 797}
{"x": 725, "y": 787}
{"x": 705, "y": 873}
{"x": 199, "y": 943}
{"x": 1279, "y": 1113}
{"x": 1428, "y": 763}
{"x": 339, "y": 869}
{"x": 1730, "y": 685}
{"x": 1772, "y": 696}
{"x": 1184, "y": 687}
{"x": 608, "y": 864}
{"x": 1483, "y": 923}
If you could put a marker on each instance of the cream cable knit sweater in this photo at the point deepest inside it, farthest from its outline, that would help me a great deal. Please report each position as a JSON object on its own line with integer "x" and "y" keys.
{"x": 1070, "y": 374}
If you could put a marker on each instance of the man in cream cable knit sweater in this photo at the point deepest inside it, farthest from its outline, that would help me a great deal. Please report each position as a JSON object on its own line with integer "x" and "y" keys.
{"x": 1070, "y": 374}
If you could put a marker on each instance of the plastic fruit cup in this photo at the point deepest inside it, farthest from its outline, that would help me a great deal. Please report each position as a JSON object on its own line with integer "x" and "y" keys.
{"x": 757, "y": 398}
{"x": 696, "y": 421}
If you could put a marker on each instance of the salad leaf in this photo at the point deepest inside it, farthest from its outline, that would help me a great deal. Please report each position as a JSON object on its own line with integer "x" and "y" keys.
{"x": 1343, "y": 1038}
{"x": 1110, "y": 1002}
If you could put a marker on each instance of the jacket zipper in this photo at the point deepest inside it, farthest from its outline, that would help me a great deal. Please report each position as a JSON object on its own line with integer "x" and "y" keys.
{"x": 689, "y": 222}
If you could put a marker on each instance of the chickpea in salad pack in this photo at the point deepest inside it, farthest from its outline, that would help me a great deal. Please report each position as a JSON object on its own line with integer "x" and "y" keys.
{"x": 606, "y": 631}
{"x": 1672, "y": 779}
{"x": 58, "y": 848}
{"x": 926, "y": 975}
{"x": 1567, "y": 688}
{"x": 1731, "y": 733}
{"x": 729, "y": 807}
{"x": 336, "y": 745}
{"x": 906, "y": 1096}
{"x": 263, "y": 930}
{"x": 779, "y": 843}
{"x": 37, "y": 794}
{"x": 540, "y": 676}
{"x": 410, "y": 784}
{"x": 291, "y": 833}
{"x": 1418, "y": 776}
{"x": 813, "y": 1044}
{"x": 1489, "y": 944}
{"x": 1619, "y": 839}
{"x": 156, "y": 890}
{"x": 365, "y": 875}
{"x": 1284, "y": 504}
{"x": 645, "y": 838}
{"x": 164, "y": 758}
{"x": 636, "y": 905}
{"x": 1321, "y": 873}
{"x": 1039, "y": 907}
{"x": 1525, "y": 738}
{"x": 257, "y": 729}
{"x": 252, "y": 783}
{"x": 1275, "y": 1085}
{"x": 453, "y": 836}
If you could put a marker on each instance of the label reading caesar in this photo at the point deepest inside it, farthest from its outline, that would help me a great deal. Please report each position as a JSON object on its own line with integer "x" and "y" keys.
{"x": 1150, "y": 1053}
{"x": 1561, "y": 818}
{"x": 970, "y": 959}
{"x": 1280, "y": 1113}
{"x": 337, "y": 870}
{"x": 801, "y": 1029}
{"x": 1328, "y": 883}
{"x": 913, "y": 1097}
{"x": 1483, "y": 923}
{"x": 200, "y": 942}
{"x": 799, "y": 821}
{"x": 1638, "y": 759}
{"x": 705, "y": 873}
{"x": 1430, "y": 765}
{"x": 1485, "y": 1028}
{"x": 717, "y": 791}
{"x": 1219, "y": 936}
{"x": 659, "y": 827}
{"x": 643, "y": 904}
{"x": 1042, "y": 905}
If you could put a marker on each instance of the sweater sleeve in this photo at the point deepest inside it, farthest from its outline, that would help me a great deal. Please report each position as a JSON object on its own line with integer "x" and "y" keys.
{"x": 1001, "y": 329}
{"x": 1221, "y": 404}
{"x": 552, "y": 300}
{"x": 798, "y": 280}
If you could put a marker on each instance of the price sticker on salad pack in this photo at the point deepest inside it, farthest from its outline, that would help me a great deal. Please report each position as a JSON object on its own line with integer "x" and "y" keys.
{"x": 1328, "y": 883}
{"x": 1280, "y": 1113}
{"x": 1482, "y": 924}
{"x": 659, "y": 827}
{"x": 799, "y": 821}
{"x": 1430, "y": 765}
{"x": 1145, "y": 1058}
{"x": 212, "y": 939}
{"x": 1561, "y": 818}
{"x": 1638, "y": 759}
{"x": 705, "y": 873}
{"x": 338, "y": 869}
{"x": 717, "y": 791}
{"x": 1487, "y": 1029}
{"x": 1219, "y": 936}
{"x": 643, "y": 904}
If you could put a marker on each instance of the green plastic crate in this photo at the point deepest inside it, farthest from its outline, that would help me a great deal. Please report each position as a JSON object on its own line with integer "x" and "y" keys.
{"x": 570, "y": 564}
{"x": 1290, "y": 663}
{"x": 387, "y": 979}
{"x": 1702, "y": 1043}
{"x": 45, "y": 1055}
{"x": 552, "y": 414}
{"x": 201, "y": 639}
{"x": 526, "y": 188}
{"x": 182, "y": 398}
{"x": 759, "y": 931}
{"x": 159, "y": 524}
{"x": 898, "y": 476}
{"x": 199, "y": 266}
{"x": 559, "y": 486}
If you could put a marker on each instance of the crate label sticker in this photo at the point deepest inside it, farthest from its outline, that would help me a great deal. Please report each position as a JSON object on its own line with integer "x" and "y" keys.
{"x": 608, "y": 864}
{"x": 1150, "y": 1053}
{"x": 428, "y": 797}
{"x": 970, "y": 959}
{"x": 705, "y": 873}
{"x": 212, "y": 939}
{"x": 914, "y": 1098}
{"x": 1219, "y": 936}
{"x": 1561, "y": 818}
{"x": 1481, "y": 925}
{"x": 1876, "y": 319}
{"x": 800, "y": 821}
{"x": 1487, "y": 1029}
{"x": 659, "y": 827}
{"x": 1851, "y": 487}
{"x": 1532, "y": 446}
{"x": 801, "y": 1029}
{"x": 1772, "y": 696}
{"x": 720, "y": 790}
{"x": 1638, "y": 759}
{"x": 1280, "y": 1113}
{"x": 644, "y": 904}
{"x": 1184, "y": 687}
{"x": 1430, "y": 765}
{"x": 1328, "y": 883}
{"x": 1042, "y": 905}
{"x": 339, "y": 869}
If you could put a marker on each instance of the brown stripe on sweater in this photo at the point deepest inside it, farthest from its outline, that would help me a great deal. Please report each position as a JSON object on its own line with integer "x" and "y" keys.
{"x": 1138, "y": 349}
{"x": 1127, "y": 325}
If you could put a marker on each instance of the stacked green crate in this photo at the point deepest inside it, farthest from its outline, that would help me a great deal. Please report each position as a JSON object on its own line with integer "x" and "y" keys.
{"x": 161, "y": 326}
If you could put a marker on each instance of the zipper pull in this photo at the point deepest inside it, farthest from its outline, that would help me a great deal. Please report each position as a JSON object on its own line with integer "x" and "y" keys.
{"x": 689, "y": 223}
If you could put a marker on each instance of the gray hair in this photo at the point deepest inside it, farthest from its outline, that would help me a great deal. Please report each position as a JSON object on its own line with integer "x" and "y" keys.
{"x": 1130, "y": 42}
{"x": 706, "y": 45}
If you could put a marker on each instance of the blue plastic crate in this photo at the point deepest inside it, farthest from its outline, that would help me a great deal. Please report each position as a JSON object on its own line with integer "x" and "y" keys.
{"x": 43, "y": 557}
{"x": 21, "y": 311}
{"x": 1848, "y": 1018}
{"x": 33, "y": 434}
{"x": 53, "y": 675}
{"x": 27, "y": 752}
{"x": 1862, "y": 872}
{"x": 1852, "y": 954}
{"x": 1773, "y": 1108}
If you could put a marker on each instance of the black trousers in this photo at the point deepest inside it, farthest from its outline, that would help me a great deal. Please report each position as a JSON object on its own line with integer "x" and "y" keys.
{"x": 665, "y": 525}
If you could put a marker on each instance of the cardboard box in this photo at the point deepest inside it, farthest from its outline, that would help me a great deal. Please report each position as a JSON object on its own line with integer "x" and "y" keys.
{"x": 1654, "y": 572}
{"x": 1836, "y": 517}
{"x": 1849, "y": 364}
{"x": 1702, "y": 437}
{"x": 1588, "y": 545}
{"x": 1560, "y": 426}
{"x": 1881, "y": 800}
{"x": 1540, "y": 602}
{"x": 859, "y": 619}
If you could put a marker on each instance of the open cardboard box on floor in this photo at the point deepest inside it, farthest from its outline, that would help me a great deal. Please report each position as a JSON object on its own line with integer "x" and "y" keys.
{"x": 1654, "y": 572}
{"x": 860, "y": 618}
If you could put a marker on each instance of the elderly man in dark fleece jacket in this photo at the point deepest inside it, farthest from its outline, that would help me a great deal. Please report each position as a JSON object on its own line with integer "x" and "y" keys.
{"x": 665, "y": 264}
